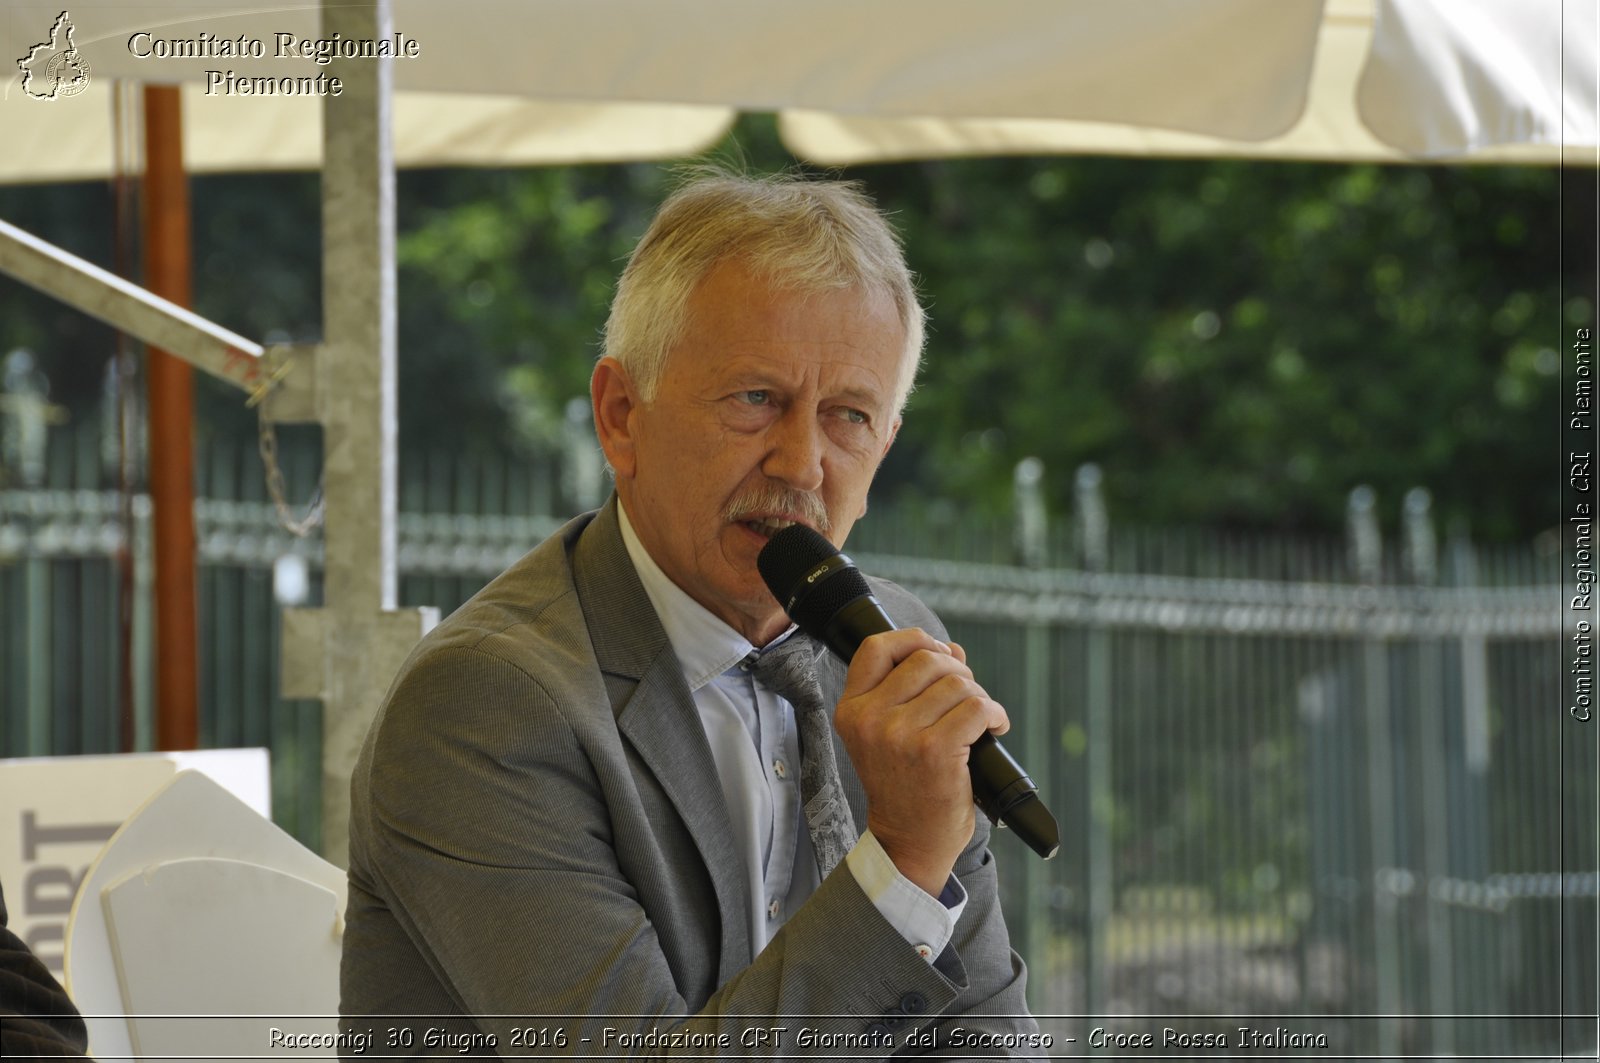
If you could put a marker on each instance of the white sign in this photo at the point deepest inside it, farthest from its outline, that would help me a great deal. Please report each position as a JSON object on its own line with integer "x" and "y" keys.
{"x": 57, "y": 812}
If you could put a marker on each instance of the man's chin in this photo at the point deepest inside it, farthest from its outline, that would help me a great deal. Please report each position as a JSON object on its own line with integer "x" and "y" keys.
{"x": 751, "y": 610}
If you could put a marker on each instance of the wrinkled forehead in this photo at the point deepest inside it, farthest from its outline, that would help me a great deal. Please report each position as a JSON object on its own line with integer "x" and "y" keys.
{"x": 736, "y": 308}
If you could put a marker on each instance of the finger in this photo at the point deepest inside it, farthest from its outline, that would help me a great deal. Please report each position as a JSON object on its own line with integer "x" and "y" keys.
{"x": 880, "y": 654}
{"x": 959, "y": 652}
{"x": 998, "y": 720}
{"x": 974, "y": 711}
{"x": 918, "y": 673}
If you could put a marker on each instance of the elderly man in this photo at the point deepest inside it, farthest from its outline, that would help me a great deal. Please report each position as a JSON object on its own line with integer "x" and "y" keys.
{"x": 580, "y": 821}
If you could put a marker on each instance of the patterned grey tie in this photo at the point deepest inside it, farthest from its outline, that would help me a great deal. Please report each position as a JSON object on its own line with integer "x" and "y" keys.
{"x": 790, "y": 671}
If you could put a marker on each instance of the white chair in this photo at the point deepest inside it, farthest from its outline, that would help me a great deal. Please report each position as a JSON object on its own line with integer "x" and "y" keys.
{"x": 200, "y": 927}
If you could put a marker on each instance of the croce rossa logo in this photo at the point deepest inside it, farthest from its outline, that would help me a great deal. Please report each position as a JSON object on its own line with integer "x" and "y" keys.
{"x": 54, "y": 69}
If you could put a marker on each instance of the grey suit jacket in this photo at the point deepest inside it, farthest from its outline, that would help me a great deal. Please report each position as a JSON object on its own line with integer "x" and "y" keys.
{"x": 539, "y": 843}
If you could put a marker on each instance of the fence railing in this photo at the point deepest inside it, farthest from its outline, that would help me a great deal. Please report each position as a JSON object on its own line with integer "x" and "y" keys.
{"x": 1308, "y": 777}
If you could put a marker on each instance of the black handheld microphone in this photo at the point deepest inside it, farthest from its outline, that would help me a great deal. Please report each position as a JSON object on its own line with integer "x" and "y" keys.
{"x": 822, "y": 591}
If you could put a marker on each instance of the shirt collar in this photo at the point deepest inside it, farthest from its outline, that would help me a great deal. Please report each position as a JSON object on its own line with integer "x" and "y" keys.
{"x": 706, "y": 646}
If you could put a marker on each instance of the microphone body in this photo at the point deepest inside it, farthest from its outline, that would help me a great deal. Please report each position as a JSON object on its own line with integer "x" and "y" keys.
{"x": 827, "y": 596}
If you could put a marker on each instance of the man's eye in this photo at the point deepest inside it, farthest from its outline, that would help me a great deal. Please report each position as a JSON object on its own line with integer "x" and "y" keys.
{"x": 854, "y": 416}
{"x": 755, "y": 398}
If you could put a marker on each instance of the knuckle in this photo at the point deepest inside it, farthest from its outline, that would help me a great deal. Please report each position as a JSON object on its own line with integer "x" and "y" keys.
{"x": 925, "y": 744}
{"x": 954, "y": 686}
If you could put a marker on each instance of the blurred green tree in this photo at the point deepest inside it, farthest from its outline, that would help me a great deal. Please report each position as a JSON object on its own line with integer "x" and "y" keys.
{"x": 1235, "y": 343}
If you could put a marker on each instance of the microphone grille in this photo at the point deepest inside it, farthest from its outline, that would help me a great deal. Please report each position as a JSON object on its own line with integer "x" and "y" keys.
{"x": 790, "y": 556}
{"x": 820, "y": 602}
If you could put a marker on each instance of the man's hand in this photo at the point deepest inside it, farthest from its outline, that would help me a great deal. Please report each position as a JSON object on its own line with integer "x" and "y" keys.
{"x": 909, "y": 715}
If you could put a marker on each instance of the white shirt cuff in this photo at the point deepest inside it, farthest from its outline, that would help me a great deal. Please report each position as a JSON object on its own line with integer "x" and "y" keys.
{"x": 925, "y": 922}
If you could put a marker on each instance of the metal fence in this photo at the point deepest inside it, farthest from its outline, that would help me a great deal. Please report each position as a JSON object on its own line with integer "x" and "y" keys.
{"x": 1310, "y": 778}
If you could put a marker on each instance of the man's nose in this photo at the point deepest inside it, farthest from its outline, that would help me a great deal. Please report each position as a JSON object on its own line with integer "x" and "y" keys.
{"x": 795, "y": 454}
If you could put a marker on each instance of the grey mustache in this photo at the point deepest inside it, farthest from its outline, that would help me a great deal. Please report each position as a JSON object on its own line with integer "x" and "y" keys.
{"x": 771, "y": 499}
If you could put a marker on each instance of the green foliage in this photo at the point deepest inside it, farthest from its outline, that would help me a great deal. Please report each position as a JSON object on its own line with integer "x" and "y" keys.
{"x": 1240, "y": 343}
{"x": 505, "y": 278}
{"x": 1235, "y": 343}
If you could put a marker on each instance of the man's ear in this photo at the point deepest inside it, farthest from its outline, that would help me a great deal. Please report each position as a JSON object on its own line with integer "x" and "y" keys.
{"x": 611, "y": 391}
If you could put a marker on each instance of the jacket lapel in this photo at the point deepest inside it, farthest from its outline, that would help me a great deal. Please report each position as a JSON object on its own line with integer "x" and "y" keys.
{"x": 656, "y": 713}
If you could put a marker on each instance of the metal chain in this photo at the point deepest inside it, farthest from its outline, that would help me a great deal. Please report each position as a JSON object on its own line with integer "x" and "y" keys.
{"x": 267, "y": 444}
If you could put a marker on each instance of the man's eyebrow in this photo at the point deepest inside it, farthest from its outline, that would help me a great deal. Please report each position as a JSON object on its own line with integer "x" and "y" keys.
{"x": 861, "y": 397}
{"x": 762, "y": 378}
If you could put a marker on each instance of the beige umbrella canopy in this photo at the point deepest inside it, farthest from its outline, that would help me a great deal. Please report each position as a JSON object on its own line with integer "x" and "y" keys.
{"x": 232, "y": 134}
{"x": 1390, "y": 81}
{"x": 552, "y": 81}
{"x": 1233, "y": 67}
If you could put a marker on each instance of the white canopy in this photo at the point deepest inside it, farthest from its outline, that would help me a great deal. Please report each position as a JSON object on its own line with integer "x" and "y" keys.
{"x": 1391, "y": 81}
{"x": 496, "y": 82}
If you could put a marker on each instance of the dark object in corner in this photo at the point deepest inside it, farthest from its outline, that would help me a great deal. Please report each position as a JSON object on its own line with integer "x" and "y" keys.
{"x": 37, "y": 1018}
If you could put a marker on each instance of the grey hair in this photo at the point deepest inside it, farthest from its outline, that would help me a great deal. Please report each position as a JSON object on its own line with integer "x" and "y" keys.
{"x": 804, "y": 235}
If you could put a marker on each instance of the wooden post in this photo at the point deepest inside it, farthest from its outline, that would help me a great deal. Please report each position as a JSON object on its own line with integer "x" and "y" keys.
{"x": 171, "y": 390}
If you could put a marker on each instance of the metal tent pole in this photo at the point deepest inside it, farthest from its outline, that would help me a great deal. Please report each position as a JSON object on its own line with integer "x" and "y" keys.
{"x": 347, "y": 652}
